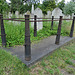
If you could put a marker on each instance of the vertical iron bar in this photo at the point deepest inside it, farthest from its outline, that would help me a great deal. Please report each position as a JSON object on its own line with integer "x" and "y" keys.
{"x": 58, "y": 31}
{"x": 3, "y": 35}
{"x": 35, "y": 26}
{"x": 72, "y": 27}
{"x": 27, "y": 39}
{"x": 52, "y": 23}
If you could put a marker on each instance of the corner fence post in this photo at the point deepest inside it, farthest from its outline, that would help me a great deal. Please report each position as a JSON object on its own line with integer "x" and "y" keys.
{"x": 27, "y": 39}
{"x": 52, "y": 23}
{"x": 58, "y": 31}
{"x": 72, "y": 27}
{"x": 35, "y": 26}
{"x": 3, "y": 35}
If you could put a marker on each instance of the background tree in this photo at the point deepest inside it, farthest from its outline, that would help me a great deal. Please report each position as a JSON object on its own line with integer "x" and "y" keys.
{"x": 15, "y": 5}
{"x": 48, "y": 5}
{"x": 69, "y": 8}
{"x": 61, "y": 4}
{"x": 32, "y": 1}
{"x": 3, "y": 6}
{"x": 22, "y": 5}
{"x": 73, "y": 0}
{"x": 25, "y": 8}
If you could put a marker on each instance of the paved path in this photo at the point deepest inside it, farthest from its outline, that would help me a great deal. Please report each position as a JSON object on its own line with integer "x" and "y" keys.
{"x": 39, "y": 50}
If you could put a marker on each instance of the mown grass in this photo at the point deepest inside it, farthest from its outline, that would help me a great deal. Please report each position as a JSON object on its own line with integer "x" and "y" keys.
{"x": 11, "y": 65}
{"x": 49, "y": 65}
{"x": 16, "y": 32}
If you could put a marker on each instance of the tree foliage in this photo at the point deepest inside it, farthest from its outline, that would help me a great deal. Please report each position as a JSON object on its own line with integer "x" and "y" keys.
{"x": 3, "y": 6}
{"x": 15, "y": 5}
{"x": 73, "y": 0}
{"x": 25, "y": 8}
{"x": 61, "y": 4}
{"x": 48, "y": 5}
{"x": 32, "y": 1}
{"x": 69, "y": 8}
{"x": 18, "y": 5}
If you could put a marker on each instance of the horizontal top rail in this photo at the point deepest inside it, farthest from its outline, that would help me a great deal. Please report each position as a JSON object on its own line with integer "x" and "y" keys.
{"x": 43, "y": 20}
{"x": 57, "y": 19}
{"x": 15, "y": 20}
{"x": 30, "y": 18}
{"x": 12, "y": 18}
{"x": 67, "y": 19}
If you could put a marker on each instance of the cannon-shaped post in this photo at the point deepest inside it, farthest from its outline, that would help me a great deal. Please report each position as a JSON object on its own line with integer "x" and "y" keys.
{"x": 72, "y": 27}
{"x": 58, "y": 31}
{"x": 27, "y": 39}
{"x": 3, "y": 35}
{"x": 35, "y": 26}
{"x": 52, "y": 23}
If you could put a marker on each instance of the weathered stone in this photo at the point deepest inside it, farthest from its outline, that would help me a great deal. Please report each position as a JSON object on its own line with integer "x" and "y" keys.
{"x": 39, "y": 50}
{"x": 66, "y": 16}
{"x": 48, "y": 14}
{"x": 20, "y": 15}
{"x": 9, "y": 15}
{"x": 27, "y": 13}
{"x": 32, "y": 11}
{"x": 17, "y": 14}
{"x": 32, "y": 23}
{"x": 39, "y": 14}
{"x": 73, "y": 14}
{"x": 57, "y": 13}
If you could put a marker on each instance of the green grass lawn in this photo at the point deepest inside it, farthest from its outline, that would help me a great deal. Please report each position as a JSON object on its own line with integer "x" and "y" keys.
{"x": 59, "y": 62}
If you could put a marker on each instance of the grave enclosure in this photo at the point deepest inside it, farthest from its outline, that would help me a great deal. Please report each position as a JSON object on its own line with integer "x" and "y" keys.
{"x": 36, "y": 20}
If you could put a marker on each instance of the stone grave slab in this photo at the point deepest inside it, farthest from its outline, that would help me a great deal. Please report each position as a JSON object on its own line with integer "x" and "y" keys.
{"x": 40, "y": 49}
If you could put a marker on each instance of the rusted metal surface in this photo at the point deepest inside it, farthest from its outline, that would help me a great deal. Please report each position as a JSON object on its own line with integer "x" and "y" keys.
{"x": 72, "y": 27}
{"x": 35, "y": 26}
{"x": 43, "y": 20}
{"x": 14, "y": 20}
{"x": 67, "y": 19}
{"x": 58, "y": 31}
{"x": 30, "y": 18}
{"x": 27, "y": 39}
{"x": 3, "y": 35}
{"x": 52, "y": 23}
